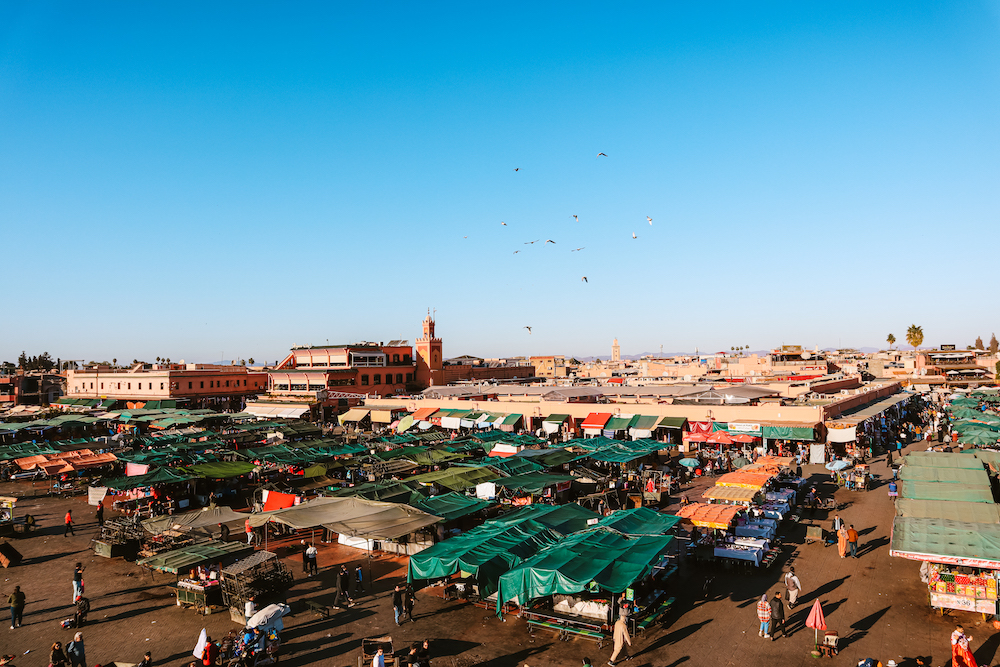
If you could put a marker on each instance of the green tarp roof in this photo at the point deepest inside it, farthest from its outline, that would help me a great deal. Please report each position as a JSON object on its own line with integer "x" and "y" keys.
{"x": 624, "y": 451}
{"x": 944, "y": 541}
{"x": 390, "y": 491}
{"x": 484, "y": 552}
{"x": 511, "y": 465}
{"x": 558, "y": 419}
{"x": 935, "y": 491}
{"x": 510, "y": 420}
{"x": 551, "y": 458}
{"x": 532, "y": 482}
{"x": 156, "y": 477}
{"x": 645, "y": 422}
{"x": 222, "y": 469}
{"x": 942, "y": 460}
{"x": 456, "y": 478}
{"x": 672, "y": 422}
{"x": 612, "y": 560}
{"x": 183, "y": 559}
{"x": 953, "y": 510}
{"x": 563, "y": 519}
{"x": 618, "y": 424}
{"x": 945, "y": 475}
{"x": 640, "y": 521}
{"x": 450, "y": 506}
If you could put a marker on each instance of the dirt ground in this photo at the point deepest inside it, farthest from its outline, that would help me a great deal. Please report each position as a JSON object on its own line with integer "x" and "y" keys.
{"x": 877, "y": 604}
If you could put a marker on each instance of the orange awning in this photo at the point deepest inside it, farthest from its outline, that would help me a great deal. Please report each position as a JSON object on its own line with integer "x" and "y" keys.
{"x": 423, "y": 413}
{"x": 747, "y": 480}
{"x": 710, "y": 516}
{"x": 596, "y": 420}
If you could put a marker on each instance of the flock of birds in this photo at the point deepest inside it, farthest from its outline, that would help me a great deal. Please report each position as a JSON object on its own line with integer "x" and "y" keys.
{"x": 577, "y": 219}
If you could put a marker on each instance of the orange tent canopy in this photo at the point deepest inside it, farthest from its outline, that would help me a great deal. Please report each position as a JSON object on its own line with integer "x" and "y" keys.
{"x": 747, "y": 480}
{"x": 710, "y": 516}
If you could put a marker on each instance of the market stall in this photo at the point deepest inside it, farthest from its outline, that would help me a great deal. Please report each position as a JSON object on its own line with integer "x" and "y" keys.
{"x": 261, "y": 575}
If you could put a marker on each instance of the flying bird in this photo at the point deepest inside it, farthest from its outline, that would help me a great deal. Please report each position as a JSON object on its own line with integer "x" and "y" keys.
{"x": 503, "y": 223}
{"x": 584, "y": 279}
{"x": 600, "y": 154}
{"x": 550, "y": 241}
{"x": 517, "y": 169}
{"x": 577, "y": 249}
{"x": 530, "y": 242}
{"x": 465, "y": 237}
{"x": 634, "y": 236}
{"x": 516, "y": 251}
{"x": 529, "y": 329}
{"x": 650, "y": 219}
{"x": 575, "y": 217}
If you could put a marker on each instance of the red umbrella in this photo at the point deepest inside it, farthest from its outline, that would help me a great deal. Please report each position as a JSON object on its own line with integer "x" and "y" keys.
{"x": 697, "y": 437}
{"x": 744, "y": 438}
{"x": 720, "y": 438}
{"x": 816, "y": 620}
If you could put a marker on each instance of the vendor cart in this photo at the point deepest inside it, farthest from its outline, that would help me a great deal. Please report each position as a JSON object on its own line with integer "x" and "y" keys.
{"x": 203, "y": 596}
{"x": 371, "y": 645}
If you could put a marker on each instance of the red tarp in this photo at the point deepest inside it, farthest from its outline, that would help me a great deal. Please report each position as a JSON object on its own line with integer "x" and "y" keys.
{"x": 278, "y": 501}
{"x": 596, "y": 420}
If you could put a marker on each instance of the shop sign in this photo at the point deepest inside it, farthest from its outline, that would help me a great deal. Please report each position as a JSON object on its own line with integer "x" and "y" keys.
{"x": 744, "y": 427}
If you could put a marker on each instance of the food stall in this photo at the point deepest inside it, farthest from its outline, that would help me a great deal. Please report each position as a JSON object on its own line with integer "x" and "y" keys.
{"x": 202, "y": 561}
{"x": 735, "y": 535}
{"x": 961, "y": 560}
{"x": 260, "y": 575}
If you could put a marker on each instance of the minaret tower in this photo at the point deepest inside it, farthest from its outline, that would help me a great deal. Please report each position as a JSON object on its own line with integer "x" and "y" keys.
{"x": 429, "y": 359}
{"x": 616, "y": 351}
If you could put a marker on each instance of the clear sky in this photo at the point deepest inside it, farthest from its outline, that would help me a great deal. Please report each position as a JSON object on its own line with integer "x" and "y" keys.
{"x": 205, "y": 180}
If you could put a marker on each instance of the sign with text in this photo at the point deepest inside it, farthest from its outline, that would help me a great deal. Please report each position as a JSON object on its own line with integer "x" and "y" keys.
{"x": 744, "y": 427}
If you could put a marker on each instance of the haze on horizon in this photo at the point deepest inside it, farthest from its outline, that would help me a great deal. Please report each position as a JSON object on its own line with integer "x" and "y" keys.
{"x": 193, "y": 181}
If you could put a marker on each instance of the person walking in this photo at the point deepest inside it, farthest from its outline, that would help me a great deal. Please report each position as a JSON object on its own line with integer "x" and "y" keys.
{"x": 57, "y": 657}
{"x": 305, "y": 558}
{"x": 77, "y": 581}
{"x": 764, "y": 616}
{"x": 777, "y": 616}
{"x": 82, "y": 609}
{"x": 16, "y": 601}
{"x": 852, "y": 541}
{"x": 842, "y": 541}
{"x": 313, "y": 554}
{"x": 249, "y": 531}
{"x": 837, "y": 523}
{"x": 223, "y": 532}
{"x": 621, "y": 638}
{"x": 793, "y": 586}
{"x": 69, "y": 524}
{"x": 343, "y": 584}
{"x": 147, "y": 660}
{"x": 961, "y": 654}
{"x": 359, "y": 583}
{"x": 409, "y": 599}
{"x": 100, "y": 514}
{"x": 75, "y": 651}
{"x": 397, "y": 602}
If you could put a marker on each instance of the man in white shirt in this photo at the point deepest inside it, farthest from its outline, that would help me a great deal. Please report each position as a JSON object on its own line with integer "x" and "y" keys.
{"x": 311, "y": 553}
{"x": 250, "y": 608}
{"x": 793, "y": 586}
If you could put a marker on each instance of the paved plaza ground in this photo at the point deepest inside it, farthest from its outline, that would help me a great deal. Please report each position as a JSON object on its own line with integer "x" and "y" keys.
{"x": 877, "y": 604}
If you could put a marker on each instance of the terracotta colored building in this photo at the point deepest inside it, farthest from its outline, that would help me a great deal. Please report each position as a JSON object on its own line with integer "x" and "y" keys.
{"x": 362, "y": 368}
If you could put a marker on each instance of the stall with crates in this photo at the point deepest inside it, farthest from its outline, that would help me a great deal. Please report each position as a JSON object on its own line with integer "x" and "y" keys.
{"x": 261, "y": 576}
{"x": 968, "y": 589}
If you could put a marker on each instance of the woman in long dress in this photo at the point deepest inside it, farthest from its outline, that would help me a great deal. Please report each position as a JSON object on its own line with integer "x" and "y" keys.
{"x": 842, "y": 541}
{"x": 961, "y": 655}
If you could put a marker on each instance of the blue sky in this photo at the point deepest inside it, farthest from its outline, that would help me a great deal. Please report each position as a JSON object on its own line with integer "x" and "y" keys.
{"x": 198, "y": 180}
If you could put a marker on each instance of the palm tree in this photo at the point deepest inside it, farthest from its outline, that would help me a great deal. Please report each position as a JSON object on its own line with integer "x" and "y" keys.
{"x": 115, "y": 361}
{"x": 890, "y": 339}
{"x": 915, "y": 336}
{"x": 250, "y": 360}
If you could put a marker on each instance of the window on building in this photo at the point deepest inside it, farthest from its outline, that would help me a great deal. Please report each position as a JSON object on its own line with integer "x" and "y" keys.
{"x": 409, "y": 377}
{"x": 190, "y": 385}
{"x": 129, "y": 385}
{"x": 227, "y": 383}
{"x": 151, "y": 385}
{"x": 91, "y": 385}
{"x": 119, "y": 385}
{"x": 364, "y": 380}
{"x": 399, "y": 378}
{"x": 102, "y": 385}
{"x": 245, "y": 383}
{"x": 406, "y": 358}
{"x": 211, "y": 384}
{"x": 255, "y": 383}
{"x": 161, "y": 386}
{"x": 202, "y": 384}
{"x": 395, "y": 358}
{"x": 378, "y": 379}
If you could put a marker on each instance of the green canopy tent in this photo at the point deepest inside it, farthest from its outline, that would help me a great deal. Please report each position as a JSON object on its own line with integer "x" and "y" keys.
{"x": 639, "y": 521}
{"x": 954, "y": 510}
{"x": 154, "y": 478}
{"x": 944, "y": 541}
{"x": 935, "y": 491}
{"x": 390, "y": 491}
{"x": 450, "y": 506}
{"x": 564, "y": 519}
{"x": 511, "y": 465}
{"x": 611, "y": 560}
{"x": 532, "y": 482}
{"x": 456, "y": 478}
{"x": 978, "y": 437}
{"x": 485, "y": 552}
{"x": 191, "y": 556}
{"x": 942, "y": 460}
{"x": 222, "y": 469}
{"x": 945, "y": 475}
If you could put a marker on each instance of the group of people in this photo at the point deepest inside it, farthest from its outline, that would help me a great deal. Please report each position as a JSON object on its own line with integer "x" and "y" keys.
{"x": 847, "y": 538}
{"x": 403, "y": 600}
